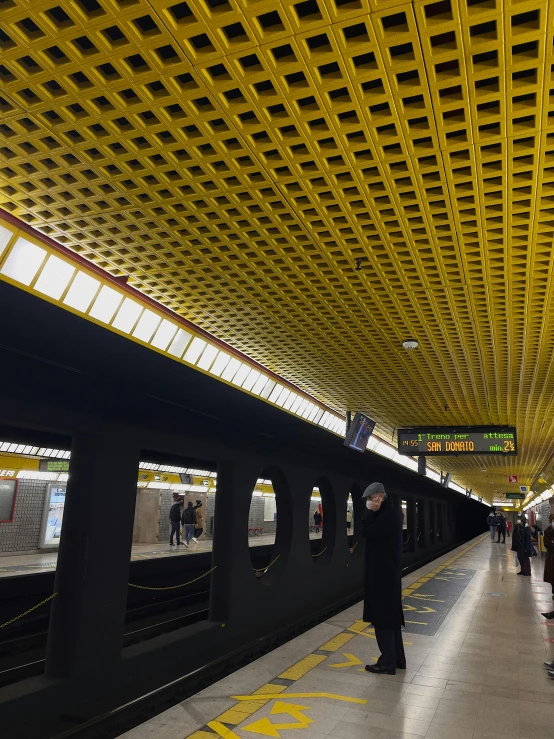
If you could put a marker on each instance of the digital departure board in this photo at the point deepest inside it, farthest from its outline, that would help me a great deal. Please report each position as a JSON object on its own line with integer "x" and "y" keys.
{"x": 462, "y": 440}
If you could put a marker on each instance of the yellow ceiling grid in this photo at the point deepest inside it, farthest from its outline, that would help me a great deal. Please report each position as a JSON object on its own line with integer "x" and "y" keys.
{"x": 234, "y": 158}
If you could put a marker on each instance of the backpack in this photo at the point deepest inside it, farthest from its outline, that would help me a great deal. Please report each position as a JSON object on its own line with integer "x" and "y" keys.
{"x": 188, "y": 515}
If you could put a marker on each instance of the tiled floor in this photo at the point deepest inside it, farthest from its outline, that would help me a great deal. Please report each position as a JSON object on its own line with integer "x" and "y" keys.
{"x": 480, "y": 675}
{"x": 19, "y": 564}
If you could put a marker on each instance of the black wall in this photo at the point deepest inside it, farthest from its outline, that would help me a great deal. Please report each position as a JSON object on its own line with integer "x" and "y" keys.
{"x": 66, "y": 379}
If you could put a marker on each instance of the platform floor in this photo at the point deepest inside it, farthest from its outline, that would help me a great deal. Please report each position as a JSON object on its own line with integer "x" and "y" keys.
{"x": 28, "y": 564}
{"x": 475, "y": 645}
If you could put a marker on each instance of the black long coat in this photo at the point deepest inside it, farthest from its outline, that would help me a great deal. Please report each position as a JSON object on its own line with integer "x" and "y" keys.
{"x": 549, "y": 562}
{"x": 382, "y": 531}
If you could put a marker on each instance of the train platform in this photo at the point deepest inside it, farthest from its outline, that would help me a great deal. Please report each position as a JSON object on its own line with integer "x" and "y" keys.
{"x": 29, "y": 564}
{"x": 475, "y": 644}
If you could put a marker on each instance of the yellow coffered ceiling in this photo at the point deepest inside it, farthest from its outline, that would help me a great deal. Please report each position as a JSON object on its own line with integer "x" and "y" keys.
{"x": 312, "y": 182}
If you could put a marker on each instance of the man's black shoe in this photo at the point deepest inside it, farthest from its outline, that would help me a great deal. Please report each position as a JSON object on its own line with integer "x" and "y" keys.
{"x": 401, "y": 667}
{"x": 378, "y": 670}
{"x": 548, "y": 615}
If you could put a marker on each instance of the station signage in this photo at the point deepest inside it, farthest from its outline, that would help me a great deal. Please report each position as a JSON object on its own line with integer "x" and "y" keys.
{"x": 53, "y": 465}
{"x": 447, "y": 441}
{"x": 515, "y": 496}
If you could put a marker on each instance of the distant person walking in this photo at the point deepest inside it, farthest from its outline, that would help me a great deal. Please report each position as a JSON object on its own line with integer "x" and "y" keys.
{"x": 548, "y": 541}
{"x": 317, "y": 520}
{"x": 175, "y": 519}
{"x": 381, "y": 527}
{"x": 189, "y": 519}
{"x": 199, "y": 527}
{"x": 491, "y": 523}
{"x": 523, "y": 547}
{"x": 501, "y": 527}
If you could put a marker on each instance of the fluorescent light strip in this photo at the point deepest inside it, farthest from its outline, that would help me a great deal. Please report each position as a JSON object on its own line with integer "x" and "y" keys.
{"x": 32, "y": 265}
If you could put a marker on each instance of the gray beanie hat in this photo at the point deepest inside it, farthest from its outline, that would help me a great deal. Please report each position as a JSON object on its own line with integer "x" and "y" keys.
{"x": 375, "y": 487}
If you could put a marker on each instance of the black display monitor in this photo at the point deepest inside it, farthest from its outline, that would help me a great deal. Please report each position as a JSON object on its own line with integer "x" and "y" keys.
{"x": 359, "y": 432}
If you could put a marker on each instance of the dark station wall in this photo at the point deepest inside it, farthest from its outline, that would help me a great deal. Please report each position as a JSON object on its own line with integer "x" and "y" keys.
{"x": 81, "y": 386}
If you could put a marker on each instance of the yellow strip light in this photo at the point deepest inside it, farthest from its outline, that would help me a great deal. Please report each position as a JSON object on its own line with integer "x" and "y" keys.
{"x": 46, "y": 270}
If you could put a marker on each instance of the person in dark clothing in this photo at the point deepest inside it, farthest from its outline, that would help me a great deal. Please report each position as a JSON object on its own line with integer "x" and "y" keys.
{"x": 189, "y": 519}
{"x": 381, "y": 527}
{"x": 548, "y": 541}
{"x": 317, "y": 520}
{"x": 175, "y": 518}
{"x": 491, "y": 523}
{"x": 501, "y": 528}
{"x": 523, "y": 547}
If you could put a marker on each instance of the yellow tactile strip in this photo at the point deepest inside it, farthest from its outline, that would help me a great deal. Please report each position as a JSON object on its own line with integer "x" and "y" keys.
{"x": 235, "y": 158}
{"x": 248, "y": 705}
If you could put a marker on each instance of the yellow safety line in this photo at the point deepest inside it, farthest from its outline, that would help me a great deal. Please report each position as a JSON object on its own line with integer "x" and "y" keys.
{"x": 173, "y": 587}
{"x": 286, "y": 696}
{"x": 320, "y": 553}
{"x": 29, "y": 610}
{"x": 222, "y": 730}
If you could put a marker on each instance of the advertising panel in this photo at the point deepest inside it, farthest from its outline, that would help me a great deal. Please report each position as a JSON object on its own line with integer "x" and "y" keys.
{"x": 53, "y": 516}
{"x": 7, "y": 500}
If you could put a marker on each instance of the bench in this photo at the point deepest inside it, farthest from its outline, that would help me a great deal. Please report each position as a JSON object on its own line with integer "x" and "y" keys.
{"x": 256, "y": 531}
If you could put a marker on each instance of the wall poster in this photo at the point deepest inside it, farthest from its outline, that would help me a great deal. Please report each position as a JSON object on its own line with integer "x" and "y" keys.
{"x": 270, "y": 508}
{"x": 8, "y": 489}
{"x": 53, "y": 516}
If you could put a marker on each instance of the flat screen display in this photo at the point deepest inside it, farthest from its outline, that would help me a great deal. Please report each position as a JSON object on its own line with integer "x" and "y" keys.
{"x": 359, "y": 432}
{"x": 461, "y": 440}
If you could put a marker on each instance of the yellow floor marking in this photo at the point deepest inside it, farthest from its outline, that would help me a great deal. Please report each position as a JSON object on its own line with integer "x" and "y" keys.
{"x": 363, "y": 633}
{"x": 270, "y": 688}
{"x": 222, "y": 730}
{"x": 372, "y": 636}
{"x": 301, "y": 668}
{"x": 426, "y": 609}
{"x": 352, "y": 660}
{"x": 266, "y": 728}
{"x": 426, "y": 597}
{"x": 288, "y": 696}
{"x": 241, "y": 712}
{"x": 201, "y": 735}
{"x": 336, "y": 643}
{"x": 421, "y": 623}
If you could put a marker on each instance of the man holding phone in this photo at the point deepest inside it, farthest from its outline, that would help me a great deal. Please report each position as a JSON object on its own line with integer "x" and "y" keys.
{"x": 382, "y": 530}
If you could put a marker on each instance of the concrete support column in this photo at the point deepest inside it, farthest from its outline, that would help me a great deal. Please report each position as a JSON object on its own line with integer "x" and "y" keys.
{"x": 88, "y": 615}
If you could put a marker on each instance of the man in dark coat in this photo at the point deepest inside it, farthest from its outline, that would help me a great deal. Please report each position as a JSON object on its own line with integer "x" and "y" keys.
{"x": 382, "y": 531}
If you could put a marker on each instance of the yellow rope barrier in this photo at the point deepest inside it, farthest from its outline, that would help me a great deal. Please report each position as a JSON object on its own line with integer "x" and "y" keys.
{"x": 30, "y": 610}
{"x": 320, "y": 553}
{"x": 265, "y": 569}
{"x": 355, "y": 545}
{"x": 173, "y": 587}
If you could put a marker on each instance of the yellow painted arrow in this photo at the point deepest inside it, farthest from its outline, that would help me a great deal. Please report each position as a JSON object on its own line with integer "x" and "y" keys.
{"x": 352, "y": 660}
{"x": 417, "y": 609}
{"x": 266, "y": 728}
{"x": 424, "y": 597}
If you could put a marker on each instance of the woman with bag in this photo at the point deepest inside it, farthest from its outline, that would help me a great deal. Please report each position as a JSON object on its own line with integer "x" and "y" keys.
{"x": 521, "y": 544}
{"x": 548, "y": 541}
